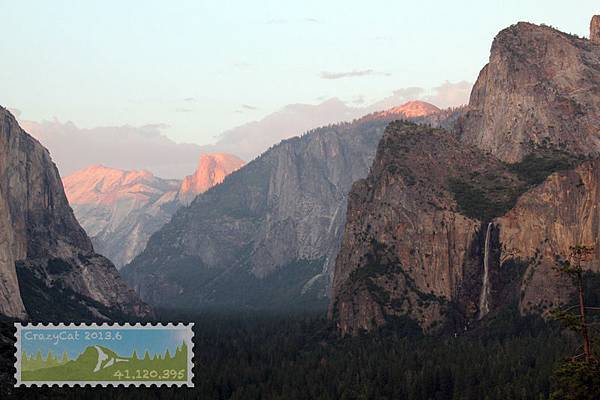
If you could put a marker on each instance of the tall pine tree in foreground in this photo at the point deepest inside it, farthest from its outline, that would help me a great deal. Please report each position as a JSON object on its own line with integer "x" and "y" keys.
{"x": 578, "y": 378}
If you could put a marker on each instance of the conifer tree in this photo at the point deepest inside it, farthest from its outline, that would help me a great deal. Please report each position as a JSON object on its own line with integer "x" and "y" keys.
{"x": 578, "y": 377}
{"x": 65, "y": 358}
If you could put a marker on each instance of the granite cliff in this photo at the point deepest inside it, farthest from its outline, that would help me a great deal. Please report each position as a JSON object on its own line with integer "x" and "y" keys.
{"x": 539, "y": 90}
{"x": 411, "y": 246}
{"x": 48, "y": 265}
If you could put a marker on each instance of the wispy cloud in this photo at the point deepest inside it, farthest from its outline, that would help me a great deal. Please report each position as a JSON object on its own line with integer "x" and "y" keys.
{"x": 277, "y": 21}
{"x": 450, "y": 94}
{"x": 409, "y": 93}
{"x": 351, "y": 74}
{"x": 242, "y": 65}
{"x": 73, "y": 148}
{"x": 360, "y": 99}
{"x": 447, "y": 94}
{"x": 190, "y": 99}
{"x": 154, "y": 129}
{"x": 183, "y": 110}
{"x": 245, "y": 107}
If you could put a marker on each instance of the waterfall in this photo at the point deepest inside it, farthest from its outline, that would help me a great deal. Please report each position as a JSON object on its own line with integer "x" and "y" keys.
{"x": 484, "y": 306}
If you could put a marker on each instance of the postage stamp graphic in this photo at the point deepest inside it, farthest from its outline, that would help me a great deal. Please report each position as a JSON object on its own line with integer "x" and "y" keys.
{"x": 104, "y": 354}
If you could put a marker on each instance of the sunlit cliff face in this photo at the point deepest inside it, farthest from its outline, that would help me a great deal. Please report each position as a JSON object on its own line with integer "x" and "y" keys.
{"x": 212, "y": 169}
{"x": 98, "y": 184}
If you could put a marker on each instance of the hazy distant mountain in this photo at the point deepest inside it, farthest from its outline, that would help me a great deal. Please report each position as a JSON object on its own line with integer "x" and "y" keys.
{"x": 250, "y": 140}
{"x": 121, "y": 209}
{"x": 411, "y": 109}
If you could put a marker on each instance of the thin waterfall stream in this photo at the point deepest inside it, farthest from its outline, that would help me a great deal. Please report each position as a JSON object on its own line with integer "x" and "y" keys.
{"x": 484, "y": 306}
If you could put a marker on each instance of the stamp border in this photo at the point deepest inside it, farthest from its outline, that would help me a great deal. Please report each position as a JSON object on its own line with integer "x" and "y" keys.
{"x": 17, "y": 346}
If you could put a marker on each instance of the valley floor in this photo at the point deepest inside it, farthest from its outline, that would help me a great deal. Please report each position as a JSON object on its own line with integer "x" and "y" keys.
{"x": 300, "y": 357}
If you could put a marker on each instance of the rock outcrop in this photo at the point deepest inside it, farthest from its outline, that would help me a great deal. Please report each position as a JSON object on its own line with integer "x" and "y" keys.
{"x": 595, "y": 29}
{"x": 212, "y": 169}
{"x": 48, "y": 265}
{"x": 268, "y": 235}
{"x": 539, "y": 90}
{"x": 120, "y": 210}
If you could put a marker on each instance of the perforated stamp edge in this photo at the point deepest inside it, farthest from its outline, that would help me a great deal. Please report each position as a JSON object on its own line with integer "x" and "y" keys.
{"x": 190, "y": 364}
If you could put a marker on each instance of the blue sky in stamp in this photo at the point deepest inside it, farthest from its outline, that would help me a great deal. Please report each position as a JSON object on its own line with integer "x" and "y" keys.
{"x": 140, "y": 340}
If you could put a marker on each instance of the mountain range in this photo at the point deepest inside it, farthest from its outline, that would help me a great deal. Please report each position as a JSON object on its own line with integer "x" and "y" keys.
{"x": 74, "y": 148}
{"x": 268, "y": 235}
{"x": 435, "y": 224}
{"x": 121, "y": 209}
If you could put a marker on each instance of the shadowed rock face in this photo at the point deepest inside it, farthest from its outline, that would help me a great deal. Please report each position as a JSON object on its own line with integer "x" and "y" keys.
{"x": 45, "y": 256}
{"x": 416, "y": 240}
{"x": 408, "y": 244}
{"x": 268, "y": 235}
{"x": 120, "y": 210}
{"x": 540, "y": 89}
{"x": 561, "y": 212}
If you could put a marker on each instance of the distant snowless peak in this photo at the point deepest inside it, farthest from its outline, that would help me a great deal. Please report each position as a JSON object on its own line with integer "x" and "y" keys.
{"x": 411, "y": 109}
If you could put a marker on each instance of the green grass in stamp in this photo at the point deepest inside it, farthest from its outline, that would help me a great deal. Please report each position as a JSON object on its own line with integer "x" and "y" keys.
{"x": 99, "y": 363}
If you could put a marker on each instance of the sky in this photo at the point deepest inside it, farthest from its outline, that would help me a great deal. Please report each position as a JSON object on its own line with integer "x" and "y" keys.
{"x": 199, "y": 68}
